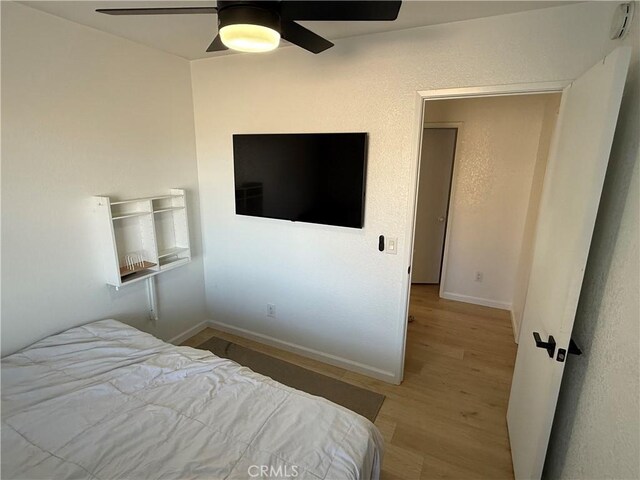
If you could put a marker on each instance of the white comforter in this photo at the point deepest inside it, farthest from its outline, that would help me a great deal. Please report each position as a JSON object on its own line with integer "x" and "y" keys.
{"x": 107, "y": 401}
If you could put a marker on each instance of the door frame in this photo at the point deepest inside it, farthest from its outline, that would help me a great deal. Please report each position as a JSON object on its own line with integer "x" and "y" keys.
{"x": 459, "y": 126}
{"x": 421, "y": 99}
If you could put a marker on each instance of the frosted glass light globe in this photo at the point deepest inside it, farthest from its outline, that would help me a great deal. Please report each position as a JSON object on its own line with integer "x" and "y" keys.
{"x": 246, "y": 37}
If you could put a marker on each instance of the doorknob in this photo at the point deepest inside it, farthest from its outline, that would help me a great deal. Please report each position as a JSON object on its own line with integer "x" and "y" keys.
{"x": 549, "y": 346}
{"x": 441, "y": 219}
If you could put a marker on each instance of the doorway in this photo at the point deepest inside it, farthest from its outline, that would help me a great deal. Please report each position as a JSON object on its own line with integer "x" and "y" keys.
{"x": 482, "y": 165}
{"x": 568, "y": 204}
{"x": 481, "y": 170}
{"x": 436, "y": 172}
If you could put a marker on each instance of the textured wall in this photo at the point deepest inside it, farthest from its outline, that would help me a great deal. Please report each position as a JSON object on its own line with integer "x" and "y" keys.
{"x": 85, "y": 113}
{"x": 496, "y": 155}
{"x": 596, "y": 432}
{"x": 337, "y": 295}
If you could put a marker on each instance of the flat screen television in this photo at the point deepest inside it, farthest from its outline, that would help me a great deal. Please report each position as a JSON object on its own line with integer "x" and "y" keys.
{"x": 302, "y": 177}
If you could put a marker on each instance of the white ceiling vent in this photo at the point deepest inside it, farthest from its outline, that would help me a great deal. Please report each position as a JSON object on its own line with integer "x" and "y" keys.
{"x": 621, "y": 20}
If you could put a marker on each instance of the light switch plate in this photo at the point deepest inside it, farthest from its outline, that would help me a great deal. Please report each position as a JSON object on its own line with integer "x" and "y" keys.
{"x": 392, "y": 245}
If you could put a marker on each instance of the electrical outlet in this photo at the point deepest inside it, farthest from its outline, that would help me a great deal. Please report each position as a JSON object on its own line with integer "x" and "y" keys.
{"x": 478, "y": 276}
{"x": 271, "y": 310}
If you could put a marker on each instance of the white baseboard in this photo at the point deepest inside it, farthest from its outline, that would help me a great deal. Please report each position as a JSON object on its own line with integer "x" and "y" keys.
{"x": 485, "y": 302}
{"x": 178, "y": 339}
{"x": 308, "y": 352}
{"x": 514, "y": 326}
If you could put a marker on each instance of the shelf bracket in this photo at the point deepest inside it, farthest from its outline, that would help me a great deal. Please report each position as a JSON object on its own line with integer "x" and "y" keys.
{"x": 153, "y": 299}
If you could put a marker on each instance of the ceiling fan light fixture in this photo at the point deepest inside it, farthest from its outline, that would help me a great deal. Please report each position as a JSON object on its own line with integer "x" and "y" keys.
{"x": 246, "y": 37}
{"x": 258, "y": 25}
{"x": 248, "y": 28}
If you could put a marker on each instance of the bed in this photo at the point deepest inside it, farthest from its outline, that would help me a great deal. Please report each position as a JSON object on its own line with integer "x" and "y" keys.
{"x": 107, "y": 401}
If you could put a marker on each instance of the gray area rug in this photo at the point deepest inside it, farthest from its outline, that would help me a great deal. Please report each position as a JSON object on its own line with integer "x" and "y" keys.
{"x": 359, "y": 400}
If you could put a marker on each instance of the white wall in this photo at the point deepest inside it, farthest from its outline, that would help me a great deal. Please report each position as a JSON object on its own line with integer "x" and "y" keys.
{"x": 86, "y": 113}
{"x": 596, "y": 430}
{"x": 496, "y": 155}
{"x": 336, "y": 295}
{"x": 525, "y": 259}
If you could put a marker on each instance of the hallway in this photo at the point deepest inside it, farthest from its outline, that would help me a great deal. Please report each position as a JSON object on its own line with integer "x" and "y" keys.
{"x": 459, "y": 364}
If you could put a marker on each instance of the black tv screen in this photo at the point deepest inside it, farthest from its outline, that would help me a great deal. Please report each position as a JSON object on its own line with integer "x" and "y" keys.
{"x": 303, "y": 177}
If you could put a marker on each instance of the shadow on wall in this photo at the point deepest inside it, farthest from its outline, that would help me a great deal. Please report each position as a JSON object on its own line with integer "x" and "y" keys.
{"x": 588, "y": 321}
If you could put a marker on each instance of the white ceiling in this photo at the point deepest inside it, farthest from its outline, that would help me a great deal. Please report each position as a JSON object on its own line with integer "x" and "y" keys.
{"x": 188, "y": 36}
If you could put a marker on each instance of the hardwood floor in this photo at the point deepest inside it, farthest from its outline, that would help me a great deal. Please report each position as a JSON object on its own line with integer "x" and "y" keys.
{"x": 447, "y": 418}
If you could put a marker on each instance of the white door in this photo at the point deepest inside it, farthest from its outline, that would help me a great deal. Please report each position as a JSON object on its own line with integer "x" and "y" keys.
{"x": 436, "y": 165}
{"x": 571, "y": 193}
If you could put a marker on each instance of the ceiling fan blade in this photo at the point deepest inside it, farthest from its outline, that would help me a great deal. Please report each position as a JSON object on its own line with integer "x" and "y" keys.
{"x": 158, "y": 11}
{"x": 302, "y": 37}
{"x": 340, "y": 10}
{"x": 217, "y": 45}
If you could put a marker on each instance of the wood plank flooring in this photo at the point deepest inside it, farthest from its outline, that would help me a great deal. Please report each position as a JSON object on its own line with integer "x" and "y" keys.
{"x": 447, "y": 418}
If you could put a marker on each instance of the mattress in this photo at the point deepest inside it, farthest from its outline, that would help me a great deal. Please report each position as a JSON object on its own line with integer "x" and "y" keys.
{"x": 107, "y": 401}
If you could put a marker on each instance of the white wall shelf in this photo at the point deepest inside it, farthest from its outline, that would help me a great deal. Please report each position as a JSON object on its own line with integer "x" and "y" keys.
{"x": 173, "y": 262}
{"x": 128, "y": 215}
{"x": 171, "y": 252}
{"x": 143, "y": 237}
{"x": 169, "y": 209}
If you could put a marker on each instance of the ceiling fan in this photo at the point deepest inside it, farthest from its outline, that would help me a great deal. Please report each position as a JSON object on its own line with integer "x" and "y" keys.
{"x": 257, "y": 26}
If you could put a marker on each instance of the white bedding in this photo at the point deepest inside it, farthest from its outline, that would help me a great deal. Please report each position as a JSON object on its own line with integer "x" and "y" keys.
{"x": 107, "y": 401}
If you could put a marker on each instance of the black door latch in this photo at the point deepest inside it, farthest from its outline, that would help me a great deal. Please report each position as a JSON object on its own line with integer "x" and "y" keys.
{"x": 573, "y": 350}
{"x": 549, "y": 346}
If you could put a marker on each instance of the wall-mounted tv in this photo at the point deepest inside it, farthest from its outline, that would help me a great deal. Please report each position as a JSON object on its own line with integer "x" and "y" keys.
{"x": 302, "y": 177}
